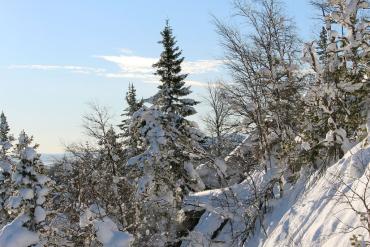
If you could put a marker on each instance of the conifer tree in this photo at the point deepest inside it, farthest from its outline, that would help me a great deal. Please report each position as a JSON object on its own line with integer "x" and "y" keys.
{"x": 4, "y": 128}
{"x": 322, "y": 44}
{"x": 31, "y": 187}
{"x": 169, "y": 145}
{"x": 165, "y": 174}
{"x": 169, "y": 98}
{"x": 5, "y": 168}
{"x": 133, "y": 106}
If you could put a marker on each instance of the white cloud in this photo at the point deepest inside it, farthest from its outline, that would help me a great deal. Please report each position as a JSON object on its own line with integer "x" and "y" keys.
{"x": 132, "y": 67}
{"x": 132, "y": 64}
{"x": 72, "y": 68}
{"x": 141, "y": 67}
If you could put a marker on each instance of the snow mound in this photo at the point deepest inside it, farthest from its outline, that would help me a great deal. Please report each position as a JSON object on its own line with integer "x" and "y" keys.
{"x": 15, "y": 235}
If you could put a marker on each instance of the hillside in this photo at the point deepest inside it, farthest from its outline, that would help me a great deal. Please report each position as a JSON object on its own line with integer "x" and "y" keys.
{"x": 312, "y": 212}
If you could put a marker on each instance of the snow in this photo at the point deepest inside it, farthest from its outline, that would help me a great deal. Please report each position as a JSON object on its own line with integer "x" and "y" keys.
{"x": 26, "y": 194}
{"x": 338, "y": 136}
{"x": 29, "y": 154}
{"x": 14, "y": 202}
{"x": 90, "y": 214}
{"x": 314, "y": 216}
{"x": 15, "y": 235}
{"x": 225, "y": 208}
{"x": 310, "y": 56}
{"x": 108, "y": 234}
{"x": 368, "y": 121}
{"x": 307, "y": 213}
{"x": 5, "y": 166}
{"x": 151, "y": 129}
{"x": 6, "y": 145}
{"x": 42, "y": 179}
{"x": 202, "y": 233}
{"x": 193, "y": 174}
{"x": 41, "y": 195}
{"x": 107, "y": 231}
{"x": 40, "y": 214}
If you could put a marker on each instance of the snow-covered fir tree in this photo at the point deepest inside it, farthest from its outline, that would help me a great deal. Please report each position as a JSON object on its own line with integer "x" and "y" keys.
{"x": 6, "y": 165}
{"x": 165, "y": 173}
{"x": 170, "y": 144}
{"x": 30, "y": 189}
{"x": 4, "y": 128}
{"x": 172, "y": 88}
{"x": 133, "y": 104}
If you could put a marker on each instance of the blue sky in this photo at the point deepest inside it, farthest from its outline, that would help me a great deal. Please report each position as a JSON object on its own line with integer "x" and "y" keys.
{"x": 56, "y": 56}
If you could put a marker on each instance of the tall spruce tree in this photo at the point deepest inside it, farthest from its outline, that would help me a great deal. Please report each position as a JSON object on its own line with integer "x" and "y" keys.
{"x": 168, "y": 147}
{"x": 169, "y": 98}
{"x": 4, "y": 128}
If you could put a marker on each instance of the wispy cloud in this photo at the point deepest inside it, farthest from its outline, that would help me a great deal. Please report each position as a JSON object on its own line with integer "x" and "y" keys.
{"x": 72, "y": 68}
{"x": 132, "y": 64}
{"x": 131, "y": 67}
{"x": 126, "y": 51}
{"x": 141, "y": 67}
{"x": 194, "y": 83}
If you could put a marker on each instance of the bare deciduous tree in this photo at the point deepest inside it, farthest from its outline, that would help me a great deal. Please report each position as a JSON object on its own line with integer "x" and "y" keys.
{"x": 266, "y": 87}
{"x": 218, "y": 120}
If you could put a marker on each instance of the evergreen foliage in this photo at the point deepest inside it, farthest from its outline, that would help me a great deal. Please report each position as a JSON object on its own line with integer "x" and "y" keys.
{"x": 4, "y": 128}
{"x": 132, "y": 106}
{"x": 172, "y": 89}
{"x": 30, "y": 187}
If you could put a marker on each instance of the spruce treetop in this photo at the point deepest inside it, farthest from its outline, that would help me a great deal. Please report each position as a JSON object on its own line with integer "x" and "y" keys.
{"x": 133, "y": 106}
{"x": 169, "y": 98}
{"x": 4, "y": 128}
{"x": 133, "y": 103}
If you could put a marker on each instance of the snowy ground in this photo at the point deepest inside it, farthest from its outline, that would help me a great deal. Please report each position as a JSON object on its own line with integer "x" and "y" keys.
{"x": 313, "y": 212}
{"x": 319, "y": 216}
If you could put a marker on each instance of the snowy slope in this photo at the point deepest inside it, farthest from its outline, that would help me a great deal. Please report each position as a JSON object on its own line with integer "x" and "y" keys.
{"x": 312, "y": 212}
{"x": 320, "y": 216}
